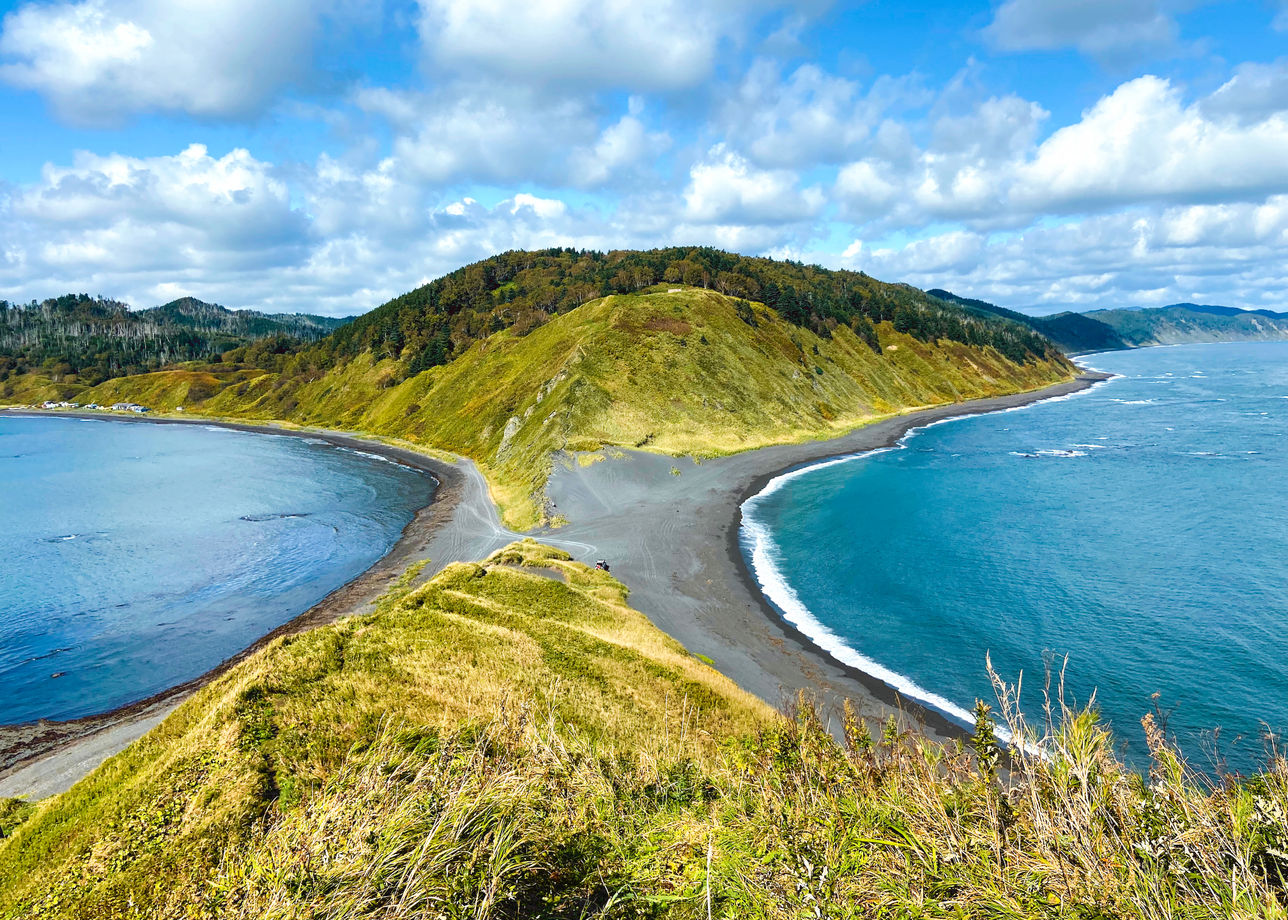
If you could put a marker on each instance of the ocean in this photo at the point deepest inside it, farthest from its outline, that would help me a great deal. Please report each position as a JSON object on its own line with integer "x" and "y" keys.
{"x": 1134, "y": 535}
{"x": 138, "y": 556}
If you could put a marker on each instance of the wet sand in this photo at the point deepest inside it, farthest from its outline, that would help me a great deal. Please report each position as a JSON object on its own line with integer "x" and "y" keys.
{"x": 672, "y": 539}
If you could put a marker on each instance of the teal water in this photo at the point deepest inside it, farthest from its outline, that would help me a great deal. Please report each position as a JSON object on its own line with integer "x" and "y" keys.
{"x": 138, "y": 556}
{"x": 1138, "y": 528}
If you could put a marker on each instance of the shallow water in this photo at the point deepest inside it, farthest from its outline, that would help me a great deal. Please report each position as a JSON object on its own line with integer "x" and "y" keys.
{"x": 1138, "y": 528}
{"x": 136, "y": 556}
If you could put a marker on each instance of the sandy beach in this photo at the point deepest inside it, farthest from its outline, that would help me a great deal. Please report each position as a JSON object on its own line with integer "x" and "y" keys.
{"x": 669, "y": 527}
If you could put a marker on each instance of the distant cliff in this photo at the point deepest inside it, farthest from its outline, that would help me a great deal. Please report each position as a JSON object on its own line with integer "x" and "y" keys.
{"x": 1137, "y": 327}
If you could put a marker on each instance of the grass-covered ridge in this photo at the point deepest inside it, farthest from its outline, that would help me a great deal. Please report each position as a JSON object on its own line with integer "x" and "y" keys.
{"x": 687, "y": 372}
{"x": 512, "y": 740}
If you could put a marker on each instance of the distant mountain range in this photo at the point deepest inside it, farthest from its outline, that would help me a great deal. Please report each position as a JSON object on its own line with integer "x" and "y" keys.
{"x": 1137, "y": 327}
{"x": 94, "y": 338}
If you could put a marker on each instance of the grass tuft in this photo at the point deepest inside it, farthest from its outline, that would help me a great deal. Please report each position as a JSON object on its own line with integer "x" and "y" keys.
{"x": 511, "y": 740}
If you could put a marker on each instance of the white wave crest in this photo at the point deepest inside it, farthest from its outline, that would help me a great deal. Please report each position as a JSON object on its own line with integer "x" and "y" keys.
{"x": 783, "y": 596}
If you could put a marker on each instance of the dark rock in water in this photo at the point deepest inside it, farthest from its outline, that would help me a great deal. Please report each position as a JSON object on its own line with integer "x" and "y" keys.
{"x": 257, "y": 518}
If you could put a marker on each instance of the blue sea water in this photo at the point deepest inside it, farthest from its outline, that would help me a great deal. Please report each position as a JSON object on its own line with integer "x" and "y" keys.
{"x": 137, "y": 556}
{"x": 1139, "y": 528}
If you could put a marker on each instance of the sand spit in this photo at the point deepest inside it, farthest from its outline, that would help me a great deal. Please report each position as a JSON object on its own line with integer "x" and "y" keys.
{"x": 668, "y": 526}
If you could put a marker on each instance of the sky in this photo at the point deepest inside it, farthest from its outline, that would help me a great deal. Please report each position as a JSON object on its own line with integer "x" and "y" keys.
{"x": 323, "y": 156}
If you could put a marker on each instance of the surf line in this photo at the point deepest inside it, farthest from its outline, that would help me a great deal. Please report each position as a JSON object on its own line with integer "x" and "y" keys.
{"x": 763, "y": 556}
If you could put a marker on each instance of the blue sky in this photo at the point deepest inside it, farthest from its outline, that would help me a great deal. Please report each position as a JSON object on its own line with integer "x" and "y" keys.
{"x": 324, "y": 155}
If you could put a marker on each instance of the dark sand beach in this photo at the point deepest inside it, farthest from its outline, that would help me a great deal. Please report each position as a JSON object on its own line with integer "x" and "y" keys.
{"x": 671, "y": 538}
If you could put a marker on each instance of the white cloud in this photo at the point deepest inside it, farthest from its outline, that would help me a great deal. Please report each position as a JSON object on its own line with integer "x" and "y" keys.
{"x": 97, "y": 61}
{"x": 663, "y": 45}
{"x": 725, "y": 189}
{"x": 624, "y": 147}
{"x": 228, "y": 200}
{"x": 488, "y": 132}
{"x": 807, "y": 117}
{"x": 1255, "y": 91}
{"x": 1229, "y": 254}
{"x": 1139, "y": 144}
{"x": 161, "y": 218}
{"x": 1142, "y": 143}
{"x": 1097, "y": 27}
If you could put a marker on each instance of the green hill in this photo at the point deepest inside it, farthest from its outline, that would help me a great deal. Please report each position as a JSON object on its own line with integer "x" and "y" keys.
{"x": 683, "y": 372}
{"x": 511, "y": 740}
{"x": 1074, "y": 333}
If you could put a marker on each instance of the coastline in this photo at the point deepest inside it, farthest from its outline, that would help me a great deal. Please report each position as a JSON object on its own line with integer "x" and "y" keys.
{"x": 46, "y": 757}
{"x": 672, "y": 538}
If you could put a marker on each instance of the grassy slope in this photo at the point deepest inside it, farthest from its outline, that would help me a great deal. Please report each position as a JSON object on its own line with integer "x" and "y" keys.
{"x": 150, "y": 825}
{"x": 502, "y": 744}
{"x": 679, "y": 373}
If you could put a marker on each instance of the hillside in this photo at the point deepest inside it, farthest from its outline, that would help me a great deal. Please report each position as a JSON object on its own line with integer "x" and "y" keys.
{"x": 53, "y": 348}
{"x": 1139, "y": 327}
{"x": 521, "y": 291}
{"x": 683, "y": 372}
{"x": 512, "y": 740}
{"x": 1074, "y": 333}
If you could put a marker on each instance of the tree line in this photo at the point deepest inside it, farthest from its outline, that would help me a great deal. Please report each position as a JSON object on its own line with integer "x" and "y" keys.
{"x": 92, "y": 339}
{"x": 523, "y": 290}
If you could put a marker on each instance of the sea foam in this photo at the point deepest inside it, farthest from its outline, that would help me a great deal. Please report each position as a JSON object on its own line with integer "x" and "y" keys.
{"x": 764, "y": 556}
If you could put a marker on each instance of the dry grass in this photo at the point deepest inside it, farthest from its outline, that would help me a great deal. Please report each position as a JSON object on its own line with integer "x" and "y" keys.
{"x": 501, "y": 743}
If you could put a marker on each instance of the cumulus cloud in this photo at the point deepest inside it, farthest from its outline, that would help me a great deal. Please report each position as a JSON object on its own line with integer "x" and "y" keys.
{"x": 665, "y": 45}
{"x": 808, "y": 116}
{"x": 97, "y": 61}
{"x": 1095, "y": 27}
{"x": 1139, "y": 144}
{"x": 623, "y": 148}
{"x": 152, "y": 220}
{"x": 1203, "y": 253}
{"x": 1255, "y": 91}
{"x": 725, "y": 189}
{"x": 222, "y": 205}
{"x": 488, "y": 132}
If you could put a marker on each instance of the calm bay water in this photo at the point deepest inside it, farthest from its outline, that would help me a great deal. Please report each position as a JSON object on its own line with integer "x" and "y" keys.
{"x": 1139, "y": 528}
{"x": 137, "y": 556}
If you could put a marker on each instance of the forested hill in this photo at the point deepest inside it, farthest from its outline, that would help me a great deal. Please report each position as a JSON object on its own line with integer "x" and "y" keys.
{"x": 91, "y": 339}
{"x": 1137, "y": 327}
{"x": 523, "y": 290}
{"x": 1075, "y": 333}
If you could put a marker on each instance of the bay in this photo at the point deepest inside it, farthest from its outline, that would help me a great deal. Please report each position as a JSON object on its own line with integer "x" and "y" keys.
{"x": 1138, "y": 530}
{"x": 138, "y": 556}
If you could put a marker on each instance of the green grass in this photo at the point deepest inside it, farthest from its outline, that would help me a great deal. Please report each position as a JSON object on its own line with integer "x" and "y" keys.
{"x": 512, "y": 740}
{"x": 677, "y": 373}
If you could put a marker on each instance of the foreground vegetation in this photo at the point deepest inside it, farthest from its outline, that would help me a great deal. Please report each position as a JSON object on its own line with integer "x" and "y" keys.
{"x": 684, "y": 372}
{"x": 512, "y": 740}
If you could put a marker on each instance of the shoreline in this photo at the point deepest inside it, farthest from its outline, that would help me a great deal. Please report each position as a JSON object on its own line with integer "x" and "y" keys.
{"x": 47, "y": 756}
{"x": 674, "y": 540}
{"x": 947, "y": 723}
{"x": 691, "y": 578}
